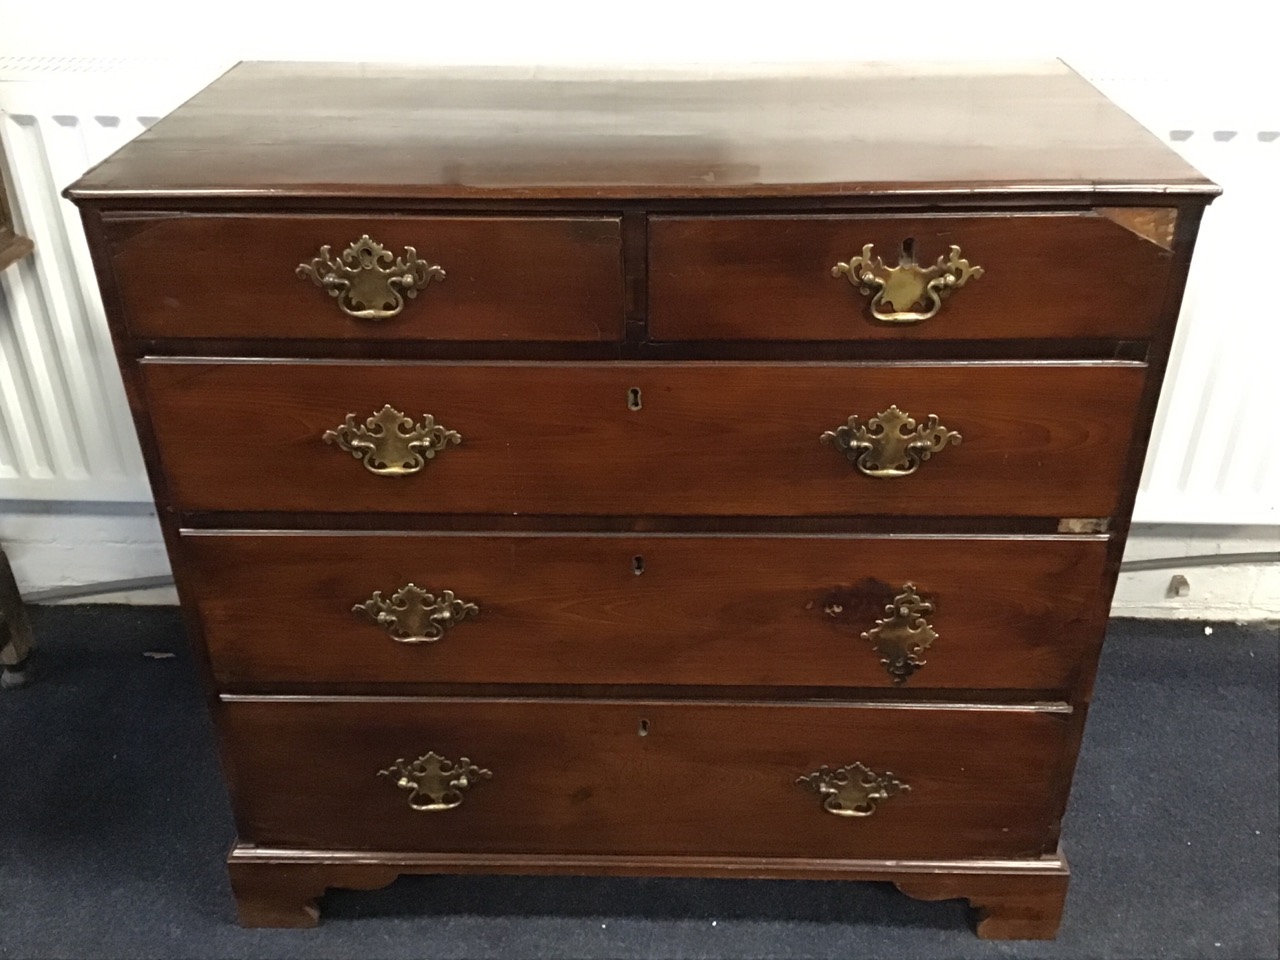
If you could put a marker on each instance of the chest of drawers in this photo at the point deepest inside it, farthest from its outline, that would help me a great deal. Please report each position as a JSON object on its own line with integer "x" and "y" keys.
{"x": 720, "y": 476}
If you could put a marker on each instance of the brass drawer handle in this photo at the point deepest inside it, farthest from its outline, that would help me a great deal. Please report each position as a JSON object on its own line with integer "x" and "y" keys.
{"x": 367, "y": 283}
{"x": 391, "y": 444}
{"x": 903, "y": 635}
{"x": 434, "y": 783}
{"x": 908, "y": 284}
{"x": 852, "y": 791}
{"x": 890, "y": 444}
{"x": 412, "y": 615}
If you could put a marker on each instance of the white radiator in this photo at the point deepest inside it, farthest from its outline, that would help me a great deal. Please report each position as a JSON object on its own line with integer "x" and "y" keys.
{"x": 64, "y": 427}
{"x": 65, "y": 431}
{"x": 1215, "y": 452}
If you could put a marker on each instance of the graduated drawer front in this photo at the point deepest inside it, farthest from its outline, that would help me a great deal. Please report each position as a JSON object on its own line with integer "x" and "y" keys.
{"x": 704, "y": 778}
{"x": 770, "y": 278}
{"x": 1047, "y": 439}
{"x": 623, "y": 609}
{"x": 505, "y": 278}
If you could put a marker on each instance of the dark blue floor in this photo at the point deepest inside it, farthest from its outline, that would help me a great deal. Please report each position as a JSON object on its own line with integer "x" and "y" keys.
{"x": 114, "y": 825}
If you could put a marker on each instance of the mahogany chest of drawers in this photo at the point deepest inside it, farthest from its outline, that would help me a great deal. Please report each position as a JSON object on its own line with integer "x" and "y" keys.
{"x": 696, "y": 475}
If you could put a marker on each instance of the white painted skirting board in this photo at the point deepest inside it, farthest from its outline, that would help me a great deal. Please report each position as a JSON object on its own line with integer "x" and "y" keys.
{"x": 1246, "y": 592}
{"x": 54, "y": 545}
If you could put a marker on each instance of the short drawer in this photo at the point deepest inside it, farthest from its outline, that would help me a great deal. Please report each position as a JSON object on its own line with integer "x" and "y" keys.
{"x": 466, "y": 278}
{"x": 779, "y": 278}
{"x": 836, "y": 611}
{"x": 615, "y": 777}
{"x": 646, "y": 439}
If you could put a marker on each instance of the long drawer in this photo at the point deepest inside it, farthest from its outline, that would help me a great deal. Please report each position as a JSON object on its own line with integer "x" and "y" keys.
{"x": 647, "y": 777}
{"x": 1014, "y": 276}
{"x": 962, "y": 439}
{"x": 466, "y": 278}
{"x": 839, "y": 611}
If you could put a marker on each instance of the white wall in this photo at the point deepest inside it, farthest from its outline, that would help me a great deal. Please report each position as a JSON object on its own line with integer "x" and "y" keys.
{"x": 1187, "y": 67}
{"x": 1230, "y": 34}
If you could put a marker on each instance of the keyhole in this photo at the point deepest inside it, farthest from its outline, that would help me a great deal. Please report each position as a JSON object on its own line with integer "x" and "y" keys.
{"x": 908, "y": 251}
{"x": 644, "y": 728}
{"x": 633, "y": 398}
{"x": 637, "y": 565}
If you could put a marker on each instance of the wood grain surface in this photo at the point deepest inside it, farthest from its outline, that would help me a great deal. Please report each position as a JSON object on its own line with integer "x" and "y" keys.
{"x": 1010, "y": 612}
{"x": 281, "y": 130}
{"x": 506, "y": 279}
{"x": 712, "y": 439}
{"x": 704, "y": 778}
{"x": 769, "y": 278}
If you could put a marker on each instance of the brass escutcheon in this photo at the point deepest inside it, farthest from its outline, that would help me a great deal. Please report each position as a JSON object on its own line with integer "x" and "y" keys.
{"x": 434, "y": 783}
{"x": 391, "y": 444}
{"x": 890, "y": 444}
{"x": 908, "y": 284}
{"x": 412, "y": 615}
{"x": 852, "y": 791}
{"x": 367, "y": 281}
{"x": 903, "y": 635}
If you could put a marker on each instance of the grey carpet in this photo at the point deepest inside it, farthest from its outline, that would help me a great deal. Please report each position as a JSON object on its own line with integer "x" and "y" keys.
{"x": 113, "y": 826}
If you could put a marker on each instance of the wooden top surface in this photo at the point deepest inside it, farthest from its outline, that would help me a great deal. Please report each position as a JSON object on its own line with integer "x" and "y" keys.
{"x": 285, "y": 130}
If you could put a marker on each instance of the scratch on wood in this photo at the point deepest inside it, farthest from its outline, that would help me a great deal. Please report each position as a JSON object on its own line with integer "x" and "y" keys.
{"x": 1084, "y": 524}
{"x": 1155, "y": 224}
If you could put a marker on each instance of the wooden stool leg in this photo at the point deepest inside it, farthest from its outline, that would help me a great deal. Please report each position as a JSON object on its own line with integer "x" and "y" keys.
{"x": 15, "y": 631}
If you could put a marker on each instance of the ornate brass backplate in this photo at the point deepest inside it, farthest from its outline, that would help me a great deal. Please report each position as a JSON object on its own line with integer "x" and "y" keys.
{"x": 903, "y": 635}
{"x": 391, "y": 444}
{"x": 908, "y": 284}
{"x": 411, "y": 615}
{"x": 852, "y": 791}
{"x": 434, "y": 783}
{"x": 367, "y": 281}
{"x": 890, "y": 444}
